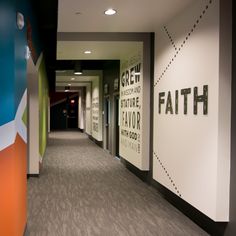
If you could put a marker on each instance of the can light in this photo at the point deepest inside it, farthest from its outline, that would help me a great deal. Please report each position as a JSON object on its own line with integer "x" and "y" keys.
{"x": 27, "y": 53}
{"x": 87, "y": 52}
{"x": 60, "y": 71}
{"x": 77, "y": 73}
{"x": 110, "y": 12}
{"x": 67, "y": 89}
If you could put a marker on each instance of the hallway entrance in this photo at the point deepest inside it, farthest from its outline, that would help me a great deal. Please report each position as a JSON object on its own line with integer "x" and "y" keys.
{"x": 107, "y": 122}
{"x": 117, "y": 130}
{"x": 82, "y": 190}
{"x": 64, "y": 111}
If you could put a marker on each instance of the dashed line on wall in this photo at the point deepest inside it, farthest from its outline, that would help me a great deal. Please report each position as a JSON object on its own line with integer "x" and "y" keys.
{"x": 168, "y": 175}
{"x": 171, "y": 39}
{"x": 184, "y": 41}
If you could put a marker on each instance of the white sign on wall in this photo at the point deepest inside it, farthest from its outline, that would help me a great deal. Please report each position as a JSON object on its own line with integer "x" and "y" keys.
{"x": 96, "y": 110}
{"x": 131, "y": 113}
{"x": 88, "y": 109}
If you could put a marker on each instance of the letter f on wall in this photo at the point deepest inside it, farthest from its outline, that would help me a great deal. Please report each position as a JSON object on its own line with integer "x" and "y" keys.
{"x": 161, "y": 100}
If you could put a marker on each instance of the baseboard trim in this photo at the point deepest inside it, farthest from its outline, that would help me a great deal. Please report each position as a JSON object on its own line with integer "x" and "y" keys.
{"x": 99, "y": 143}
{"x": 143, "y": 175}
{"x": 32, "y": 175}
{"x": 25, "y": 231}
{"x": 203, "y": 221}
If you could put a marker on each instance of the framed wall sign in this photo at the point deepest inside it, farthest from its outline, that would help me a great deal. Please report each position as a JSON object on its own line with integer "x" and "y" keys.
{"x": 116, "y": 85}
{"x": 106, "y": 89}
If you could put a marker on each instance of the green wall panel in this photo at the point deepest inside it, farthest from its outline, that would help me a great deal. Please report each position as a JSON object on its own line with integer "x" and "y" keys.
{"x": 24, "y": 117}
{"x": 43, "y": 108}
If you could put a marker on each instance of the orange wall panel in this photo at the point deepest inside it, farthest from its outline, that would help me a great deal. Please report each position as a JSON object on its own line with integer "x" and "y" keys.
{"x": 13, "y": 182}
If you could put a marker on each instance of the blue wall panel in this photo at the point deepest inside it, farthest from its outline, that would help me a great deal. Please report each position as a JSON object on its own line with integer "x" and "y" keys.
{"x": 7, "y": 30}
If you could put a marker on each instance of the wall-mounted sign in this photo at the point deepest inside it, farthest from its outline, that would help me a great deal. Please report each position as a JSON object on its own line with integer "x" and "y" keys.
{"x": 20, "y": 20}
{"x": 95, "y": 114}
{"x": 96, "y": 110}
{"x": 169, "y": 102}
{"x": 116, "y": 85}
{"x": 133, "y": 129}
{"x": 106, "y": 89}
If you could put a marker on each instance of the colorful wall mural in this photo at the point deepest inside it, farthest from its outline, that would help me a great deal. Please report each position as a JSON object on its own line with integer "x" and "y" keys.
{"x": 13, "y": 107}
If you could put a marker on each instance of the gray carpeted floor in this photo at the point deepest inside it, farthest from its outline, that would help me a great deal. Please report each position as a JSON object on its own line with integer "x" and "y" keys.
{"x": 82, "y": 190}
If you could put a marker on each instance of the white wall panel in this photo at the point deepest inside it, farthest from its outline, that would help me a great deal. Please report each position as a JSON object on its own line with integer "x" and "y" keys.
{"x": 186, "y": 147}
{"x": 134, "y": 130}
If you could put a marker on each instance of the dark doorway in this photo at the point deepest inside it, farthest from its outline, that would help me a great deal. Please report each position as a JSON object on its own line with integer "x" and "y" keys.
{"x": 64, "y": 113}
{"x": 107, "y": 120}
{"x": 72, "y": 113}
{"x": 58, "y": 119}
{"x": 117, "y": 130}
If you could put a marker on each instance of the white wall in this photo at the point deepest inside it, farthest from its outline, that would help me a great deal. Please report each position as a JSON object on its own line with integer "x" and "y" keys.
{"x": 33, "y": 118}
{"x": 190, "y": 157}
{"x": 97, "y": 108}
{"x": 133, "y": 128}
{"x": 88, "y": 122}
{"x": 81, "y": 109}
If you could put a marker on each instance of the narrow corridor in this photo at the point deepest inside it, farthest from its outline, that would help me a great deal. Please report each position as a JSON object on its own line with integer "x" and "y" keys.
{"x": 82, "y": 190}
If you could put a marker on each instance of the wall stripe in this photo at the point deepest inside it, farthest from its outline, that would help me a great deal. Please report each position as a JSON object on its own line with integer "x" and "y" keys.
{"x": 7, "y": 135}
{"x": 8, "y": 131}
{"x": 20, "y": 126}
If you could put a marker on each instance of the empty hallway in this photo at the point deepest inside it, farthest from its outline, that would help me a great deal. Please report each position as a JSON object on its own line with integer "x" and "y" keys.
{"x": 82, "y": 190}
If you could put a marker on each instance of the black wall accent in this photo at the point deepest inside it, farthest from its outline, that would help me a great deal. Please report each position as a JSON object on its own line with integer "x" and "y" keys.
{"x": 47, "y": 14}
{"x": 213, "y": 228}
{"x": 32, "y": 175}
{"x": 152, "y": 60}
{"x": 112, "y": 36}
{"x": 26, "y": 233}
{"x": 231, "y": 229}
{"x": 99, "y": 143}
{"x": 143, "y": 175}
{"x": 111, "y": 71}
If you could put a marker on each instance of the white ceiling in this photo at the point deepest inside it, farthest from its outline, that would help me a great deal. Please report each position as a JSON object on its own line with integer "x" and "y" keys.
{"x": 65, "y": 78}
{"x": 132, "y": 15}
{"x": 74, "y": 50}
{"x": 77, "y": 79}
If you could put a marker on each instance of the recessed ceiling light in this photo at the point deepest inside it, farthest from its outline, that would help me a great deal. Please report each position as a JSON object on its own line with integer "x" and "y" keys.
{"x": 69, "y": 84}
{"x": 110, "y": 12}
{"x": 87, "y": 52}
{"x": 60, "y": 71}
{"x": 67, "y": 90}
{"x": 72, "y": 78}
{"x": 78, "y": 73}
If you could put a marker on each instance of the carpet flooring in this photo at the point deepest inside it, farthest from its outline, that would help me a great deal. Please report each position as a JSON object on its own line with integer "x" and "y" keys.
{"x": 82, "y": 190}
